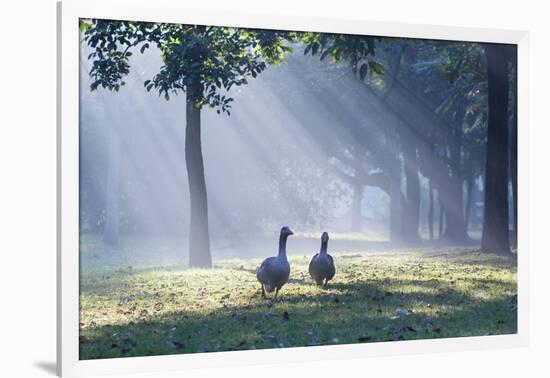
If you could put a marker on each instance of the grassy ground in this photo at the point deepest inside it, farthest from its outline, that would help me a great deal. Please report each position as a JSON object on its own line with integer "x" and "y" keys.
{"x": 374, "y": 297}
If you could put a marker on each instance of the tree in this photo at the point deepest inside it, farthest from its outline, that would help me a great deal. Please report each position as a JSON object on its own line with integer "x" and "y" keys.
{"x": 454, "y": 77}
{"x": 358, "y": 52}
{"x": 495, "y": 237}
{"x": 514, "y": 141}
{"x": 204, "y": 62}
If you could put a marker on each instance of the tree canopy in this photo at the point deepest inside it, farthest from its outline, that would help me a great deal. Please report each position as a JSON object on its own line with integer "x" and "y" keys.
{"x": 216, "y": 57}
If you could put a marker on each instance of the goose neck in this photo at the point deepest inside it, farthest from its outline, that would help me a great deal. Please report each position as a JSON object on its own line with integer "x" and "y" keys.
{"x": 324, "y": 246}
{"x": 282, "y": 246}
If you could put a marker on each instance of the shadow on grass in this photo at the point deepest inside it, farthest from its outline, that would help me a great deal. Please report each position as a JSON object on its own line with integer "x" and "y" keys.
{"x": 343, "y": 313}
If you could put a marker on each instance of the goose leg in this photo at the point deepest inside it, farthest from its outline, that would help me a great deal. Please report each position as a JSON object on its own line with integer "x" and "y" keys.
{"x": 276, "y": 292}
{"x": 326, "y": 283}
{"x": 263, "y": 291}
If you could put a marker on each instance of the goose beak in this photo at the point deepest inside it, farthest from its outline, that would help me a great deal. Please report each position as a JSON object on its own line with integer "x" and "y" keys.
{"x": 290, "y": 232}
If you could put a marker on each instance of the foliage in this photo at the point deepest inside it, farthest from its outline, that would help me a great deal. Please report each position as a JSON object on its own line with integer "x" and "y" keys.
{"x": 374, "y": 297}
{"x": 357, "y": 50}
{"x": 216, "y": 58}
{"x": 462, "y": 65}
{"x": 455, "y": 78}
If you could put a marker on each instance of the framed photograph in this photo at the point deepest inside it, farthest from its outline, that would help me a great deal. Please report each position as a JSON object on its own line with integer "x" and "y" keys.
{"x": 242, "y": 187}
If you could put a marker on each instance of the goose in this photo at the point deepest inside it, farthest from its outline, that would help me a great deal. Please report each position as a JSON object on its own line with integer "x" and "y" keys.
{"x": 321, "y": 267}
{"x": 274, "y": 271}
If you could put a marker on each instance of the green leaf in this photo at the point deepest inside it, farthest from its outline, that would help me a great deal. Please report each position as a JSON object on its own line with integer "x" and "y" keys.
{"x": 314, "y": 48}
{"x": 84, "y": 25}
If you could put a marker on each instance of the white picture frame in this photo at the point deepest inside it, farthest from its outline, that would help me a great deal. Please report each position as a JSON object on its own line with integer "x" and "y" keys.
{"x": 69, "y": 13}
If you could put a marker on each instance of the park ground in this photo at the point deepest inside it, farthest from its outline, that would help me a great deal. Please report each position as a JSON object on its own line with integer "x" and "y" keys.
{"x": 375, "y": 297}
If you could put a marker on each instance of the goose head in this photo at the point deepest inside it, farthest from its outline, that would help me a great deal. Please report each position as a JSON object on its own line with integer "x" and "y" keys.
{"x": 286, "y": 231}
{"x": 324, "y": 237}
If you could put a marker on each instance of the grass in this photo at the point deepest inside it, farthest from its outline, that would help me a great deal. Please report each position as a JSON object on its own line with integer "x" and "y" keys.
{"x": 374, "y": 297}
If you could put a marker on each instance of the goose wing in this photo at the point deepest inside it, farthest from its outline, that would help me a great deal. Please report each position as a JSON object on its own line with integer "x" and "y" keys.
{"x": 332, "y": 269}
{"x": 263, "y": 272}
{"x": 316, "y": 269}
{"x": 312, "y": 264}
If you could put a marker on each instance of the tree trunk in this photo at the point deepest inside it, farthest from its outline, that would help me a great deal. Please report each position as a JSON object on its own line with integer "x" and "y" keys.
{"x": 356, "y": 207}
{"x": 469, "y": 197}
{"x": 514, "y": 174}
{"x": 396, "y": 204}
{"x": 514, "y": 147}
{"x": 455, "y": 230}
{"x": 430, "y": 210}
{"x": 112, "y": 191}
{"x": 199, "y": 236}
{"x": 441, "y": 216}
{"x": 412, "y": 211}
{"x": 495, "y": 236}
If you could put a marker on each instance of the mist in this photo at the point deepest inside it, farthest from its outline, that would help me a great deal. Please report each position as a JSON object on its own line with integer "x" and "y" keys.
{"x": 304, "y": 146}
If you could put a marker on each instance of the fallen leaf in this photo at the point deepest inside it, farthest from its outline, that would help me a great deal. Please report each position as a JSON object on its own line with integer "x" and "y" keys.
{"x": 158, "y": 306}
